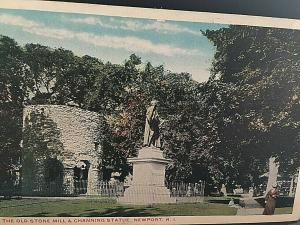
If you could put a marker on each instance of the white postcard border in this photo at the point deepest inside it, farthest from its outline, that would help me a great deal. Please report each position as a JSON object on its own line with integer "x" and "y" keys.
{"x": 159, "y": 14}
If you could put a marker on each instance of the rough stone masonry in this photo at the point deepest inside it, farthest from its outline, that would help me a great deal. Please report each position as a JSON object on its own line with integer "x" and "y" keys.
{"x": 57, "y": 142}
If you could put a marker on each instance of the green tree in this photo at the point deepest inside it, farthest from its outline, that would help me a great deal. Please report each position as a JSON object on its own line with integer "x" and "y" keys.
{"x": 262, "y": 67}
{"x": 77, "y": 77}
{"x": 13, "y": 91}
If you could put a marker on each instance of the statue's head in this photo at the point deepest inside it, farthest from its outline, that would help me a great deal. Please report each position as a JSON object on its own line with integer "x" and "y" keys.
{"x": 154, "y": 102}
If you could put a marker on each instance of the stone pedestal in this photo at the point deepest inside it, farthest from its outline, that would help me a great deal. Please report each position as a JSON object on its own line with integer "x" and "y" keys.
{"x": 148, "y": 184}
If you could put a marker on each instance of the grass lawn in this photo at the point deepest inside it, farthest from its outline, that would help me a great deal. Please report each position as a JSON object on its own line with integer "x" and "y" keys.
{"x": 285, "y": 210}
{"x": 106, "y": 207}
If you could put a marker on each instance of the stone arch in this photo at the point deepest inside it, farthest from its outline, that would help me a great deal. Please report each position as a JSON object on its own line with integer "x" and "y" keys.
{"x": 54, "y": 176}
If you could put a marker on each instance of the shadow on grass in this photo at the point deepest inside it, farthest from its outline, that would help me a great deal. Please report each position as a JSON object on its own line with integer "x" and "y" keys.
{"x": 64, "y": 215}
{"x": 123, "y": 211}
{"x": 90, "y": 210}
{"x": 33, "y": 203}
{"x": 45, "y": 214}
{"x": 41, "y": 214}
{"x": 117, "y": 211}
{"x": 223, "y": 201}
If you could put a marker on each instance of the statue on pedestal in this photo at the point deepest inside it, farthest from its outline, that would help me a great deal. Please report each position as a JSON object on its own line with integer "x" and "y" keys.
{"x": 151, "y": 134}
{"x": 148, "y": 177}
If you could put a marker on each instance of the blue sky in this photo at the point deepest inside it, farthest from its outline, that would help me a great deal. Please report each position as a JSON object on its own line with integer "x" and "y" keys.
{"x": 179, "y": 46}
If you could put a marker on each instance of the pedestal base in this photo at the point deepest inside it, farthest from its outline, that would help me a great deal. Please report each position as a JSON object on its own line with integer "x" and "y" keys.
{"x": 148, "y": 185}
{"x": 144, "y": 195}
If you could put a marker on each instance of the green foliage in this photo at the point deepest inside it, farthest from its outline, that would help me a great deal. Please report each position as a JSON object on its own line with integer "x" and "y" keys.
{"x": 12, "y": 93}
{"x": 41, "y": 135}
{"x": 42, "y": 145}
{"x": 76, "y": 79}
{"x": 123, "y": 92}
{"x": 262, "y": 67}
{"x": 220, "y": 131}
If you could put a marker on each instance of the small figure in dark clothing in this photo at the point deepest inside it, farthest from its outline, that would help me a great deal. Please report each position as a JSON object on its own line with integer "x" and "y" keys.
{"x": 270, "y": 201}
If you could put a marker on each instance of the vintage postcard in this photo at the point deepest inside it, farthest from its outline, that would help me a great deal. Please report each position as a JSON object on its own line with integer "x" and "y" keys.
{"x": 119, "y": 115}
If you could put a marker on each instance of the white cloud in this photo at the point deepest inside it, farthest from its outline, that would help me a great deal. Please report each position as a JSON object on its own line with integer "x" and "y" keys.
{"x": 86, "y": 20}
{"x": 17, "y": 21}
{"x": 90, "y": 21}
{"x": 51, "y": 32}
{"x": 129, "y": 43}
{"x": 133, "y": 44}
{"x": 168, "y": 27}
{"x": 35, "y": 27}
{"x": 128, "y": 24}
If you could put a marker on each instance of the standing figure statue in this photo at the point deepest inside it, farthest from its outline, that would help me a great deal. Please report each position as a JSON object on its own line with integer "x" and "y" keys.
{"x": 152, "y": 135}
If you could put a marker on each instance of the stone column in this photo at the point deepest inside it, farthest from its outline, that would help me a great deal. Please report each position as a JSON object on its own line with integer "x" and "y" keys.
{"x": 68, "y": 181}
{"x": 94, "y": 177}
{"x": 273, "y": 173}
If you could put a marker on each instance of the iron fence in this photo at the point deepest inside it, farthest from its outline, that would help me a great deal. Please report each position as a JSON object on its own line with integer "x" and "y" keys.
{"x": 180, "y": 189}
{"x": 72, "y": 187}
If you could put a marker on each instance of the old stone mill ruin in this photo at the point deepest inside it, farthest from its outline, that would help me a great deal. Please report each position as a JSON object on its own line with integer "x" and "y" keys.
{"x": 61, "y": 145}
{"x": 62, "y": 156}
